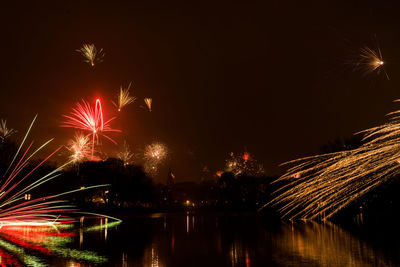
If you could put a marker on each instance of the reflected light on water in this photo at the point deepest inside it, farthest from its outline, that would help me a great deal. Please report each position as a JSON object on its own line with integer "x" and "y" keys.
{"x": 234, "y": 256}
{"x": 124, "y": 259}
{"x": 81, "y": 231}
{"x": 238, "y": 254}
{"x": 187, "y": 223}
{"x": 152, "y": 258}
{"x": 173, "y": 240}
{"x": 325, "y": 244}
{"x": 76, "y": 264}
{"x": 255, "y": 244}
{"x": 247, "y": 259}
{"x": 30, "y": 243}
{"x": 106, "y": 228}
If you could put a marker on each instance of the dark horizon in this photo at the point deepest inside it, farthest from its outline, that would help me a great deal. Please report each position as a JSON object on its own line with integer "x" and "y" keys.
{"x": 271, "y": 78}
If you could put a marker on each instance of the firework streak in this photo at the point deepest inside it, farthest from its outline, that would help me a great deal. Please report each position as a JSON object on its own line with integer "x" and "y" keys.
{"x": 371, "y": 61}
{"x": 90, "y": 53}
{"x": 34, "y": 223}
{"x": 148, "y": 102}
{"x": 4, "y": 131}
{"x": 124, "y": 98}
{"x": 318, "y": 187}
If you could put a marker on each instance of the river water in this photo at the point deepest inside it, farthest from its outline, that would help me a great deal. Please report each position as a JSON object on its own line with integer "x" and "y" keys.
{"x": 200, "y": 240}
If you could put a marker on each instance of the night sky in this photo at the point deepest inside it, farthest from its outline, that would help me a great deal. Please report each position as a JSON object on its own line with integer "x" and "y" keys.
{"x": 274, "y": 78}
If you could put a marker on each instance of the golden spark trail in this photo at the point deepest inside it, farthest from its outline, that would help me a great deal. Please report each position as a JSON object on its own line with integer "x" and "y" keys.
{"x": 320, "y": 186}
{"x": 371, "y": 60}
{"x": 124, "y": 98}
{"x": 90, "y": 53}
{"x": 4, "y": 131}
{"x": 148, "y": 102}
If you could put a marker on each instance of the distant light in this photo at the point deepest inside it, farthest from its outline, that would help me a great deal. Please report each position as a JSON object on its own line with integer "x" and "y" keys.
{"x": 246, "y": 156}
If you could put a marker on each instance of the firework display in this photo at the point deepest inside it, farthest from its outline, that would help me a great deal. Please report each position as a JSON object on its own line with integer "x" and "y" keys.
{"x": 124, "y": 98}
{"x": 80, "y": 147}
{"x": 4, "y": 131}
{"x": 30, "y": 221}
{"x": 370, "y": 61}
{"x": 320, "y": 186}
{"x": 84, "y": 117}
{"x": 90, "y": 53}
{"x": 243, "y": 164}
{"x": 35, "y": 211}
{"x": 154, "y": 155}
{"x": 146, "y": 102}
{"x": 125, "y": 155}
{"x": 16, "y": 207}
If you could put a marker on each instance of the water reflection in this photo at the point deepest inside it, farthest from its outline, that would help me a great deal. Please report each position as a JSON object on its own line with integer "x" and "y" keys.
{"x": 152, "y": 258}
{"x": 187, "y": 223}
{"x": 36, "y": 245}
{"x": 163, "y": 240}
{"x": 245, "y": 241}
{"x": 324, "y": 245}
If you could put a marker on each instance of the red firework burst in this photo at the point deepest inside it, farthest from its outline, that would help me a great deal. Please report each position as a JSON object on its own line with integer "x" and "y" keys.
{"x": 86, "y": 118}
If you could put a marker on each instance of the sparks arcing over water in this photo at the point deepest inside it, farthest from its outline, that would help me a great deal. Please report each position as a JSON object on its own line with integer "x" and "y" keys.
{"x": 84, "y": 117}
{"x": 90, "y": 53}
{"x": 15, "y": 207}
{"x": 4, "y": 131}
{"x": 124, "y": 98}
{"x": 30, "y": 221}
{"x": 320, "y": 186}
